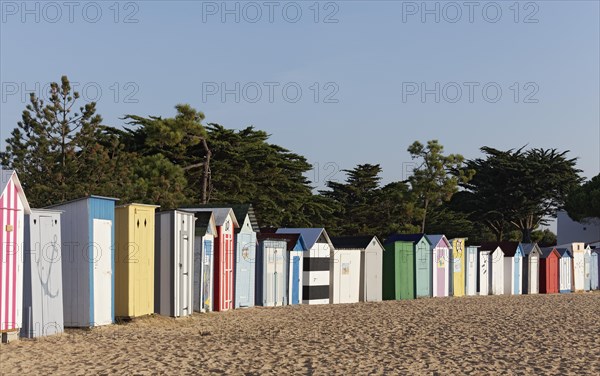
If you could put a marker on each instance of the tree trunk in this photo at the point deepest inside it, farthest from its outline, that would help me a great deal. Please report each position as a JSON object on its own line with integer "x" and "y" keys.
{"x": 206, "y": 173}
{"x": 424, "y": 216}
{"x": 526, "y": 235}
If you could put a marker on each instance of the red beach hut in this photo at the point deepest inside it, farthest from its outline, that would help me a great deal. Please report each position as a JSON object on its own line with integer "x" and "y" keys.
{"x": 549, "y": 270}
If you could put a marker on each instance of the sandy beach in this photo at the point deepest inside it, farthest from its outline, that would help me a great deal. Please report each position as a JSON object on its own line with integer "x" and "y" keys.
{"x": 539, "y": 334}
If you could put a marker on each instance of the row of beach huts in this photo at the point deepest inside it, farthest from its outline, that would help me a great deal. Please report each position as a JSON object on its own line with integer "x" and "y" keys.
{"x": 90, "y": 262}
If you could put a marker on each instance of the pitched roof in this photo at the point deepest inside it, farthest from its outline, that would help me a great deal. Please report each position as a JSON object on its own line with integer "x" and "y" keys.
{"x": 413, "y": 238}
{"x": 546, "y": 251}
{"x": 509, "y": 248}
{"x": 8, "y": 175}
{"x": 290, "y": 239}
{"x": 204, "y": 220}
{"x": 564, "y": 252}
{"x": 352, "y": 242}
{"x": 528, "y": 248}
{"x": 436, "y": 239}
{"x": 220, "y": 214}
{"x": 240, "y": 211}
{"x": 310, "y": 235}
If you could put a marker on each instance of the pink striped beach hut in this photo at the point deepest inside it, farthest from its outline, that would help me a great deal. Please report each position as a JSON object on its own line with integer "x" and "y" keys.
{"x": 13, "y": 207}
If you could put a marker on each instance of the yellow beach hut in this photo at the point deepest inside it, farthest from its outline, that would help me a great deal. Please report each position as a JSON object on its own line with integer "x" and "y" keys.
{"x": 134, "y": 260}
{"x": 457, "y": 269}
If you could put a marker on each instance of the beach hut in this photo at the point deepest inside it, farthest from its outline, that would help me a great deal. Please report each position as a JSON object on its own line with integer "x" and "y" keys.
{"x": 42, "y": 275}
{"x": 398, "y": 269}
{"x": 457, "y": 267}
{"x": 549, "y": 275}
{"x": 296, "y": 249}
{"x": 88, "y": 262}
{"x": 565, "y": 270}
{"x": 205, "y": 232}
{"x": 174, "y": 258}
{"x": 134, "y": 260}
{"x": 13, "y": 207}
{"x": 531, "y": 268}
{"x": 316, "y": 264}
{"x": 419, "y": 256}
{"x": 471, "y": 270}
{"x": 512, "y": 260}
{"x": 577, "y": 252}
{"x": 223, "y": 278}
{"x": 371, "y": 262}
{"x": 271, "y": 269}
{"x": 587, "y": 281}
{"x": 484, "y": 277}
{"x": 346, "y": 270}
{"x": 496, "y": 267}
{"x": 441, "y": 261}
{"x": 245, "y": 255}
{"x": 594, "y": 269}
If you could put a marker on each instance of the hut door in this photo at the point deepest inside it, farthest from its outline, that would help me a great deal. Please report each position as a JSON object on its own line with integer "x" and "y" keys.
{"x": 295, "y": 279}
{"x": 271, "y": 276}
{"x": 279, "y": 275}
{"x": 516, "y": 275}
{"x": 440, "y": 270}
{"x": 594, "y": 271}
{"x": 484, "y": 274}
{"x": 207, "y": 276}
{"x": 533, "y": 276}
{"x": 227, "y": 276}
{"x": 184, "y": 275}
{"x": 586, "y": 269}
{"x": 50, "y": 292}
{"x": 371, "y": 277}
{"x": 551, "y": 275}
{"x": 471, "y": 270}
{"x": 102, "y": 261}
{"x": 243, "y": 276}
{"x": 345, "y": 282}
{"x": 141, "y": 268}
{"x": 197, "y": 289}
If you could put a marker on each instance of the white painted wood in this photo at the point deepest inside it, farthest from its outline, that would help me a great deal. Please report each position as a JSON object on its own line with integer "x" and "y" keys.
{"x": 497, "y": 272}
{"x": 102, "y": 269}
{"x": 485, "y": 272}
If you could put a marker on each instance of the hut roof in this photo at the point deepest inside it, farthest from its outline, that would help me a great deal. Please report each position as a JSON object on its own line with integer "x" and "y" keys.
{"x": 220, "y": 214}
{"x": 564, "y": 252}
{"x": 436, "y": 239}
{"x": 413, "y": 238}
{"x": 547, "y": 251}
{"x": 353, "y": 242}
{"x": 309, "y": 235}
{"x": 509, "y": 248}
{"x": 291, "y": 239}
{"x": 240, "y": 211}
{"x": 8, "y": 175}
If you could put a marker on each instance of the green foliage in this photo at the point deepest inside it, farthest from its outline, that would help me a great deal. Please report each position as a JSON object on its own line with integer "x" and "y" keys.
{"x": 516, "y": 189}
{"x": 57, "y": 149}
{"x": 62, "y": 154}
{"x": 544, "y": 238}
{"x": 248, "y": 169}
{"x": 362, "y": 207}
{"x": 431, "y": 181}
{"x": 584, "y": 201}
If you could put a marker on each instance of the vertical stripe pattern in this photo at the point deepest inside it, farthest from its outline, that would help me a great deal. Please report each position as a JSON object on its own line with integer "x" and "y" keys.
{"x": 8, "y": 257}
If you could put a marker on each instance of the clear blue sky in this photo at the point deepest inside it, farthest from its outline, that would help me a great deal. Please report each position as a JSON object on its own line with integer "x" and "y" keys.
{"x": 374, "y": 58}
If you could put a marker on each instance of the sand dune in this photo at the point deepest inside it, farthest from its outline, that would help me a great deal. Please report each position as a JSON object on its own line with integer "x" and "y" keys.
{"x": 539, "y": 334}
